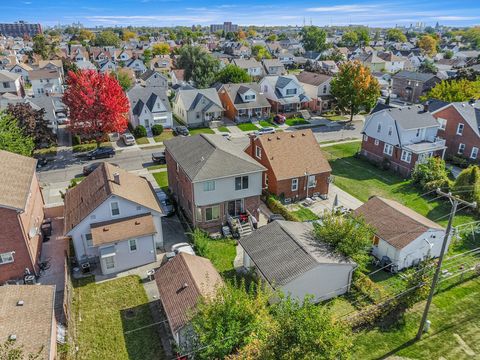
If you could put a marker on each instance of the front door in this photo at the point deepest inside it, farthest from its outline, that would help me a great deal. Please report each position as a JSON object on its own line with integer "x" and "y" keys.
{"x": 147, "y": 123}
{"x": 108, "y": 264}
{"x": 235, "y": 207}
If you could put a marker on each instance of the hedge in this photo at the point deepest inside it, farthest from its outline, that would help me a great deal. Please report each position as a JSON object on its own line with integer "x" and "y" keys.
{"x": 278, "y": 208}
{"x": 157, "y": 129}
{"x": 140, "y": 131}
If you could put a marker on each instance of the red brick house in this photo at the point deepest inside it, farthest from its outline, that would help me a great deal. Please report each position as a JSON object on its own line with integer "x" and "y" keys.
{"x": 21, "y": 211}
{"x": 296, "y": 167}
{"x": 459, "y": 126}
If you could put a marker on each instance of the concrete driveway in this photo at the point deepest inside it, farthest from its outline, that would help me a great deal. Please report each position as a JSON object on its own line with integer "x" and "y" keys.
{"x": 173, "y": 232}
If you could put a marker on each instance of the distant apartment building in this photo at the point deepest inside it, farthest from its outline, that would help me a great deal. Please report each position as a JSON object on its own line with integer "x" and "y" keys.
{"x": 226, "y": 26}
{"x": 20, "y": 29}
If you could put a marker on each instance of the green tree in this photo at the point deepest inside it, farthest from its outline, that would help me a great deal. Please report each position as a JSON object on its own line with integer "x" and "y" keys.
{"x": 200, "y": 67}
{"x": 124, "y": 79}
{"x": 107, "y": 38}
{"x": 40, "y": 46}
{"x": 396, "y": 35}
{"x": 354, "y": 88}
{"x": 12, "y": 137}
{"x": 455, "y": 90}
{"x": 160, "y": 49}
{"x": 428, "y": 67}
{"x": 85, "y": 35}
{"x": 350, "y": 38}
{"x": 428, "y": 44}
{"x": 147, "y": 56}
{"x": 260, "y": 52}
{"x": 128, "y": 35}
{"x": 349, "y": 236}
{"x": 232, "y": 74}
{"x": 448, "y": 54}
{"x": 363, "y": 35}
{"x": 467, "y": 185}
{"x": 314, "y": 38}
{"x": 272, "y": 38}
{"x": 472, "y": 36}
{"x": 431, "y": 174}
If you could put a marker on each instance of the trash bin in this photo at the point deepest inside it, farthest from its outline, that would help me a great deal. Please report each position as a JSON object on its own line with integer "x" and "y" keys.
{"x": 151, "y": 275}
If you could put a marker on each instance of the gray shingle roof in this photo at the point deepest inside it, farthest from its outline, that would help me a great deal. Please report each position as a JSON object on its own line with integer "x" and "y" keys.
{"x": 207, "y": 156}
{"x": 412, "y": 117}
{"x": 141, "y": 95}
{"x": 234, "y": 90}
{"x": 412, "y": 75}
{"x": 191, "y": 97}
{"x": 284, "y": 250}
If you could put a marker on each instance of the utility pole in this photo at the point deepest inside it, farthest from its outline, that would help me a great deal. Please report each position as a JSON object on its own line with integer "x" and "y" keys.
{"x": 455, "y": 201}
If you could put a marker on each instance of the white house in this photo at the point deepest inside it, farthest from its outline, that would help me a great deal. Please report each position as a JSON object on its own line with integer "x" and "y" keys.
{"x": 114, "y": 220}
{"x": 317, "y": 87}
{"x": 251, "y": 66}
{"x": 197, "y": 107}
{"x": 287, "y": 256}
{"x": 285, "y": 93}
{"x": 22, "y": 69}
{"x": 402, "y": 235}
{"x": 11, "y": 83}
{"x": 46, "y": 81}
{"x": 149, "y": 106}
{"x": 136, "y": 65}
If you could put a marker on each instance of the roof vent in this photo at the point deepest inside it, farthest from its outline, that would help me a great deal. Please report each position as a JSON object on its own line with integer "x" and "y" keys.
{"x": 293, "y": 135}
{"x": 278, "y": 137}
{"x": 116, "y": 178}
{"x": 303, "y": 134}
{"x": 12, "y": 337}
{"x": 184, "y": 286}
{"x": 137, "y": 222}
{"x": 106, "y": 229}
{"x": 20, "y": 303}
{"x": 463, "y": 104}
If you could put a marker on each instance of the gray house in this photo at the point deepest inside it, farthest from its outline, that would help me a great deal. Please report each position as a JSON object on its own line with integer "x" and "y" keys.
{"x": 197, "y": 107}
{"x": 149, "y": 106}
{"x": 286, "y": 255}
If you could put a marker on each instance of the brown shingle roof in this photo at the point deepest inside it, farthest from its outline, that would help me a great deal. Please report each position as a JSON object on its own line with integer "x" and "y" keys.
{"x": 182, "y": 282}
{"x": 81, "y": 200}
{"x": 395, "y": 223}
{"x": 44, "y": 73}
{"x": 32, "y": 322}
{"x": 291, "y": 154}
{"x": 122, "y": 229}
{"x": 311, "y": 78}
{"x": 15, "y": 179}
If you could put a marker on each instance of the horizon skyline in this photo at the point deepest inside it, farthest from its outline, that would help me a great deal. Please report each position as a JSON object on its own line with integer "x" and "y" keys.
{"x": 162, "y": 13}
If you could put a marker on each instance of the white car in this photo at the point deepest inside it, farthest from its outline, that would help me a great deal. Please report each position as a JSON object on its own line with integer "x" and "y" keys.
{"x": 265, "y": 130}
{"x": 128, "y": 139}
{"x": 183, "y": 247}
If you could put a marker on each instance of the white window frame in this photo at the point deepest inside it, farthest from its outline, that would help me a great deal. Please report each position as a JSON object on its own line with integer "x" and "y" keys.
{"x": 312, "y": 181}
{"x": 461, "y": 149}
{"x": 294, "y": 186}
{"x": 209, "y": 185}
{"x": 242, "y": 187}
{"x": 7, "y": 258}
{"x": 258, "y": 152}
{"x": 213, "y": 217}
{"x": 113, "y": 263}
{"x": 88, "y": 241}
{"x": 388, "y": 149}
{"x": 460, "y": 128}
{"x": 443, "y": 123}
{"x": 406, "y": 156}
{"x": 474, "y": 153}
{"x": 111, "y": 208}
{"x": 376, "y": 142}
{"x": 365, "y": 137}
{"x": 135, "y": 244}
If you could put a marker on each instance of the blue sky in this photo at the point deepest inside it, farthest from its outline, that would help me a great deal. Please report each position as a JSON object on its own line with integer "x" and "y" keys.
{"x": 246, "y": 12}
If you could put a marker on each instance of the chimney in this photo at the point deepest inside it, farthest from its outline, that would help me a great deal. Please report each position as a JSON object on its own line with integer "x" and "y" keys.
{"x": 252, "y": 144}
{"x": 425, "y": 106}
{"x": 116, "y": 178}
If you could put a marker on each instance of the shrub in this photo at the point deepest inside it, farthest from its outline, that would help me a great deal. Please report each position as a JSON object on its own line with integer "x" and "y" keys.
{"x": 157, "y": 129}
{"x": 76, "y": 140}
{"x": 140, "y": 131}
{"x": 459, "y": 160}
{"x": 278, "y": 208}
{"x": 431, "y": 174}
{"x": 467, "y": 184}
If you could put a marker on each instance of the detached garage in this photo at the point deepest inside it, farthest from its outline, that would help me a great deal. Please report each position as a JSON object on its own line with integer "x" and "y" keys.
{"x": 287, "y": 256}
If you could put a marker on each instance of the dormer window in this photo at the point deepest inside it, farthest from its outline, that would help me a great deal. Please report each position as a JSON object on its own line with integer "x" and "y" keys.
{"x": 249, "y": 97}
{"x": 291, "y": 91}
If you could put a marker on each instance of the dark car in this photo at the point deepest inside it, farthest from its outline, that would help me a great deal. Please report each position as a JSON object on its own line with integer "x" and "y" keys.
{"x": 159, "y": 157}
{"x": 88, "y": 169}
{"x": 101, "y": 153}
{"x": 274, "y": 217}
{"x": 180, "y": 130}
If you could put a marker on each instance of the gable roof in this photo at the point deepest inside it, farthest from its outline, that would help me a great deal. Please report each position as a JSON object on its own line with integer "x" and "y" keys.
{"x": 469, "y": 111}
{"x": 6, "y": 75}
{"x": 181, "y": 283}
{"x": 413, "y": 75}
{"x": 395, "y": 223}
{"x": 192, "y": 97}
{"x": 81, "y": 200}
{"x": 15, "y": 179}
{"x": 44, "y": 73}
{"x": 147, "y": 95}
{"x": 311, "y": 78}
{"x": 284, "y": 250}
{"x": 408, "y": 117}
{"x": 233, "y": 91}
{"x": 291, "y": 154}
{"x": 200, "y": 157}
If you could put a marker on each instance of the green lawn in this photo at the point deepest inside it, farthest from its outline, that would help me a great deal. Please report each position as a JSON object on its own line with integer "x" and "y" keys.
{"x": 220, "y": 252}
{"x": 162, "y": 179}
{"x": 223, "y": 129}
{"x": 142, "y": 141}
{"x": 336, "y": 117}
{"x": 363, "y": 180}
{"x": 454, "y": 313}
{"x": 155, "y": 167}
{"x": 305, "y": 214}
{"x": 50, "y": 151}
{"x": 265, "y": 123}
{"x": 163, "y": 136}
{"x": 89, "y": 146}
{"x": 104, "y": 312}
{"x": 296, "y": 121}
{"x": 205, "y": 130}
{"x": 247, "y": 127}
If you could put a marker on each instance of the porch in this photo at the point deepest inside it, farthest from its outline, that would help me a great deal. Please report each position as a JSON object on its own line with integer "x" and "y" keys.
{"x": 253, "y": 114}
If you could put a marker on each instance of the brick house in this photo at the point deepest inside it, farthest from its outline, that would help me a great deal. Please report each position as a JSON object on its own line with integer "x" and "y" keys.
{"x": 296, "y": 167}
{"x": 401, "y": 137}
{"x": 21, "y": 211}
{"x": 410, "y": 85}
{"x": 213, "y": 180}
{"x": 459, "y": 126}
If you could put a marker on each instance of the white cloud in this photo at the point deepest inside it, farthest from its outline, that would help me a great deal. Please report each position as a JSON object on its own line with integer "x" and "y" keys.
{"x": 342, "y": 8}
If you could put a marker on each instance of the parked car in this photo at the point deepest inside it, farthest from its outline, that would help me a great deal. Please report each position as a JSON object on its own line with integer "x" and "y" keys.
{"x": 265, "y": 130}
{"x": 279, "y": 119}
{"x": 101, "y": 153}
{"x": 180, "y": 130}
{"x": 61, "y": 119}
{"x": 88, "y": 169}
{"x": 159, "y": 157}
{"x": 128, "y": 139}
{"x": 183, "y": 247}
{"x": 274, "y": 217}
{"x": 165, "y": 203}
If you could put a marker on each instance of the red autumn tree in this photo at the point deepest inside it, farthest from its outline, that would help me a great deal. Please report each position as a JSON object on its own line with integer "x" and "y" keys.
{"x": 97, "y": 104}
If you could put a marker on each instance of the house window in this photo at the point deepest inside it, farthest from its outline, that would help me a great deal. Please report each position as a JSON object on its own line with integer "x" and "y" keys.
{"x": 388, "y": 149}
{"x": 379, "y": 127}
{"x": 474, "y": 153}
{"x": 461, "y": 149}
{"x": 311, "y": 181}
{"x": 6, "y": 258}
{"x": 460, "y": 129}
{"x": 209, "y": 186}
{"x": 249, "y": 97}
{"x": 6, "y": 85}
{"x": 177, "y": 166}
{"x": 88, "y": 240}
{"x": 406, "y": 156}
{"x": 291, "y": 91}
{"x": 375, "y": 240}
{"x": 324, "y": 89}
{"x": 294, "y": 184}
{"x": 212, "y": 213}
{"x": 241, "y": 183}
{"x": 115, "y": 208}
{"x": 365, "y": 138}
{"x": 376, "y": 142}
{"x": 132, "y": 245}
{"x": 266, "y": 179}
{"x": 258, "y": 152}
{"x": 443, "y": 123}
{"x": 390, "y": 130}
{"x": 198, "y": 214}
{"x": 109, "y": 262}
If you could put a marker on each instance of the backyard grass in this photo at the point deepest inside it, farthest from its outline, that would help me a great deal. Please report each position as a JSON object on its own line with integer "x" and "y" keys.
{"x": 223, "y": 129}
{"x": 163, "y": 136}
{"x": 265, "y": 123}
{"x": 162, "y": 179}
{"x": 305, "y": 214}
{"x": 296, "y": 121}
{"x": 89, "y": 146}
{"x": 155, "y": 167}
{"x": 363, "y": 180}
{"x": 220, "y": 252}
{"x": 247, "y": 127}
{"x": 142, "y": 140}
{"x": 104, "y": 312}
{"x": 336, "y": 117}
{"x": 204, "y": 130}
{"x": 454, "y": 334}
